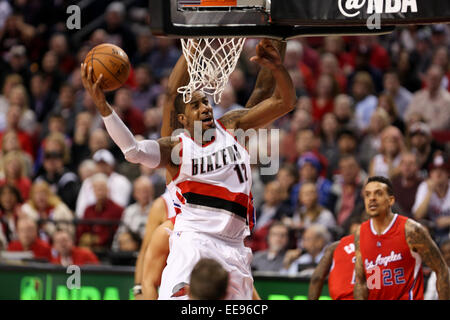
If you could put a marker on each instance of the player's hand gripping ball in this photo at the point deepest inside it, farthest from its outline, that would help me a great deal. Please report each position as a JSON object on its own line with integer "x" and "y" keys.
{"x": 111, "y": 61}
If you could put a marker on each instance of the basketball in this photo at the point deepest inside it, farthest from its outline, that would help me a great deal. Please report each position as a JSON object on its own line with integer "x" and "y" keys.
{"x": 111, "y": 61}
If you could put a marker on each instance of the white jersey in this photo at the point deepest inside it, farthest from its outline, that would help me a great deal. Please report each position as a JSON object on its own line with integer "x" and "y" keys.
{"x": 172, "y": 207}
{"x": 213, "y": 186}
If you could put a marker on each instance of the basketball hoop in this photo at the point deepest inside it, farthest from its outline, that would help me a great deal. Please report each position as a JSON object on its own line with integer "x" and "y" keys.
{"x": 210, "y": 62}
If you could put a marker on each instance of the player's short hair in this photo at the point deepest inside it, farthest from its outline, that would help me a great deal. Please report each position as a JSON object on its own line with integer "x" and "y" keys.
{"x": 180, "y": 106}
{"x": 209, "y": 280}
{"x": 384, "y": 180}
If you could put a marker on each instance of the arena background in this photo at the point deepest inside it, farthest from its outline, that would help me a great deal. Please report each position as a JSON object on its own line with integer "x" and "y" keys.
{"x": 345, "y": 108}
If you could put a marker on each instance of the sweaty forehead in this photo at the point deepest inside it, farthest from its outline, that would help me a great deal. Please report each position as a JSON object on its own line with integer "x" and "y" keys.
{"x": 374, "y": 186}
{"x": 197, "y": 96}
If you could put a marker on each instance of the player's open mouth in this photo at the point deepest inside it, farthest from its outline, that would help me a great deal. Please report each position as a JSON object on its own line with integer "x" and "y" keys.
{"x": 373, "y": 206}
{"x": 208, "y": 121}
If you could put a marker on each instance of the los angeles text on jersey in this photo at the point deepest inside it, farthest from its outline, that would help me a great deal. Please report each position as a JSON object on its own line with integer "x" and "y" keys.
{"x": 215, "y": 160}
{"x": 383, "y": 261}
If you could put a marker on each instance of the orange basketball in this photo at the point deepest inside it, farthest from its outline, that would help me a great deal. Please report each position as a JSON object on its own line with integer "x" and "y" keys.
{"x": 112, "y": 62}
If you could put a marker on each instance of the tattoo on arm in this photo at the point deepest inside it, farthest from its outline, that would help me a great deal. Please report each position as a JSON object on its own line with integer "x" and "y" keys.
{"x": 360, "y": 290}
{"x": 419, "y": 241}
{"x": 231, "y": 119}
{"x": 321, "y": 272}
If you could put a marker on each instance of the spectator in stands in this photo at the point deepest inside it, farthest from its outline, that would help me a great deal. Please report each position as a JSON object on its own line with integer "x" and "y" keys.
{"x": 431, "y": 292}
{"x": 287, "y": 176}
{"x": 435, "y": 98}
{"x": 371, "y": 142}
{"x": 309, "y": 211}
{"x": 303, "y": 260}
{"x": 65, "y": 253}
{"x": 347, "y": 144}
{"x": 423, "y": 145}
{"x": 13, "y": 172}
{"x": 277, "y": 244}
{"x": 58, "y": 44}
{"x": 67, "y": 107}
{"x": 13, "y": 117}
{"x": 309, "y": 171}
{"x": 51, "y": 71}
{"x": 42, "y": 98}
{"x": 406, "y": 183}
{"x": 365, "y": 101}
{"x": 145, "y": 47}
{"x": 99, "y": 236}
{"x": 387, "y": 161}
{"x": 87, "y": 169}
{"x": 64, "y": 182}
{"x": 401, "y": 96}
{"x": 343, "y": 109}
{"x": 387, "y": 103}
{"x": 298, "y": 127}
{"x": 323, "y": 102}
{"x": 28, "y": 240}
{"x": 130, "y": 115}
{"x": 328, "y": 136}
{"x": 10, "y": 143}
{"x": 432, "y": 201}
{"x": 19, "y": 96}
{"x": 164, "y": 56}
{"x": 346, "y": 198}
{"x": 118, "y": 185}
{"x": 10, "y": 202}
{"x": 329, "y": 64}
{"x": 146, "y": 92}
{"x": 9, "y": 82}
{"x": 135, "y": 216}
{"x": 47, "y": 209}
{"x": 272, "y": 209}
{"x": 128, "y": 241}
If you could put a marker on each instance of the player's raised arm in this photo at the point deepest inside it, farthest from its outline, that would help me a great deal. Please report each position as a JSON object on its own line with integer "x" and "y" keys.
{"x": 360, "y": 290}
{"x": 178, "y": 77}
{"x": 265, "y": 83}
{"x": 281, "y": 102}
{"x": 420, "y": 241}
{"x": 321, "y": 272}
{"x": 150, "y": 153}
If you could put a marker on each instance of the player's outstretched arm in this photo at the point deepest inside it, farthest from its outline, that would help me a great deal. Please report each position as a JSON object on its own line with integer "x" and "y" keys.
{"x": 265, "y": 83}
{"x": 360, "y": 290}
{"x": 150, "y": 153}
{"x": 419, "y": 241}
{"x": 281, "y": 102}
{"x": 155, "y": 261}
{"x": 178, "y": 77}
{"x": 156, "y": 216}
{"x": 321, "y": 272}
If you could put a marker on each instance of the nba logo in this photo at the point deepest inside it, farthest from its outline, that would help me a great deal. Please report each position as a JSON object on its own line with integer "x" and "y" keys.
{"x": 178, "y": 233}
{"x": 378, "y": 244}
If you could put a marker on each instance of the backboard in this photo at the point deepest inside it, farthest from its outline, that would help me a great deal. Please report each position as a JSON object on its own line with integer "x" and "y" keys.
{"x": 244, "y": 18}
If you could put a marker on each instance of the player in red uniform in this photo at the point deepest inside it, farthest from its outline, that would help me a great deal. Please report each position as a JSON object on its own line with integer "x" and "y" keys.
{"x": 338, "y": 263}
{"x": 390, "y": 249}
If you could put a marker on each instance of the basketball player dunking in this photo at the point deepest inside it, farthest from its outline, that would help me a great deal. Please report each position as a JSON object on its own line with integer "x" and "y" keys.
{"x": 390, "y": 249}
{"x": 210, "y": 178}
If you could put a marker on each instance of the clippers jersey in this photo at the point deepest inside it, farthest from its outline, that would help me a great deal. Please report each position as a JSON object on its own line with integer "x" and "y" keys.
{"x": 341, "y": 279}
{"x": 213, "y": 187}
{"x": 392, "y": 270}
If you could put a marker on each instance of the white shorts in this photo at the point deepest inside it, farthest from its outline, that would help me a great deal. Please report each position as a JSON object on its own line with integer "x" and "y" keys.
{"x": 187, "y": 248}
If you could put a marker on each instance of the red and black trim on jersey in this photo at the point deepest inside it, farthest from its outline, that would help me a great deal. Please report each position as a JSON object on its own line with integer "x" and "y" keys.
{"x": 215, "y": 197}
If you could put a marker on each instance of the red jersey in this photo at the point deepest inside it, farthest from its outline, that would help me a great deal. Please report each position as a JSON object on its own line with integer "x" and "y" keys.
{"x": 392, "y": 270}
{"x": 40, "y": 248}
{"x": 341, "y": 279}
{"x": 79, "y": 256}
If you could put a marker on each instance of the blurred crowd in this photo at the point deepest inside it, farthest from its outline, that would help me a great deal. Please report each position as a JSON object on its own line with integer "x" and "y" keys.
{"x": 366, "y": 106}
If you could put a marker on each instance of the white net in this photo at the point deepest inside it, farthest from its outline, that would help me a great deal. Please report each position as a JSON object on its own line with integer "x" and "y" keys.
{"x": 210, "y": 62}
